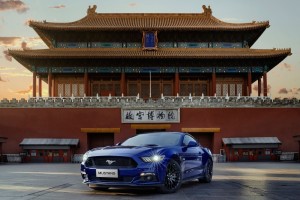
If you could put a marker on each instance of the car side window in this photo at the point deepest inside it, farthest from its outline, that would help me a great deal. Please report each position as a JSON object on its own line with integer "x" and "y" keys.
{"x": 187, "y": 139}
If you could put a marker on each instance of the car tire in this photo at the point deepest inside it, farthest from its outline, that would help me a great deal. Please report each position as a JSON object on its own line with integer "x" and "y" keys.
{"x": 208, "y": 172}
{"x": 173, "y": 178}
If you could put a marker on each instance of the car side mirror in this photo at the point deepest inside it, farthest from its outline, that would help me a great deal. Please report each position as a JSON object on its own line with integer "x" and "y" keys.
{"x": 192, "y": 144}
{"x": 119, "y": 143}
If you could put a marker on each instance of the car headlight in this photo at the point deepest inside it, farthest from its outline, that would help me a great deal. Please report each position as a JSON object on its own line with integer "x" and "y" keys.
{"x": 85, "y": 157}
{"x": 154, "y": 158}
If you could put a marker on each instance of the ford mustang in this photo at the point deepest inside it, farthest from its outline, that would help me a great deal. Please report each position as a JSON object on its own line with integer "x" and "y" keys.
{"x": 162, "y": 160}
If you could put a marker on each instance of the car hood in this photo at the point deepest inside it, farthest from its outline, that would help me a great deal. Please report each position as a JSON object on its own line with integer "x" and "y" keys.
{"x": 121, "y": 150}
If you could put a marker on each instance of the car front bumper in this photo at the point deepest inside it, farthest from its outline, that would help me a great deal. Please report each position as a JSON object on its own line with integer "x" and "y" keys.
{"x": 127, "y": 177}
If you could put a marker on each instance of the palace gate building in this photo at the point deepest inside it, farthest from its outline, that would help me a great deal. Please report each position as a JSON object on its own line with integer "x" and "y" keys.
{"x": 111, "y": 76}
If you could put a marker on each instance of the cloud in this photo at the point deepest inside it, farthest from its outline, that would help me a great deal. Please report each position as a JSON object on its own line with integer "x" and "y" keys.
{"x": 133, "y": 4}
{"x": 26, "y": 91}
{"x": 269, "y": 88}
{"x": 58, "y": 7}
{"x": 8, "y": 41}
{"x": 283, "y": 91}
{"x": 24, "y": 45}
{"x": 17, "y": 5}
{"x": 7, "y": 68}
{"x": 293, "y": 91}
{"x": 286, "y": 66}
{"x": 18, "y": 74}
{"x": 255, "y": 87}
{"x": 1, "y": 79}
{"x": 7, "y": 56}
{"x": 18, "y": 42}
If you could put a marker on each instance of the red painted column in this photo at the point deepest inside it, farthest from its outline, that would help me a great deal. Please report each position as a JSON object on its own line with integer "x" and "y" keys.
{"x": 49, "y": 84}
{"x": 86, "y": 86}
{"x": 176, "y": 84}
{"x": 40, "y": 86}
{"x": 249, "y": 83}
{"x": 214, "y": 84}
{"x": 265, "y": 84}
{"x": 123, "y": 84}
{"x": 34, "y": 84}
{"x": 259, "y": 86}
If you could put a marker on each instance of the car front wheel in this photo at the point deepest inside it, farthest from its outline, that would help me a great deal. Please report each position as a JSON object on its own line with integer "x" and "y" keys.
{"x": 208, "y": 172}
{"x": 173, "y": 178}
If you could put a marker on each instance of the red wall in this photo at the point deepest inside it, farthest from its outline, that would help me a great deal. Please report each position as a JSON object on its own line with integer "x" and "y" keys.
{"x": 19, "y": 123}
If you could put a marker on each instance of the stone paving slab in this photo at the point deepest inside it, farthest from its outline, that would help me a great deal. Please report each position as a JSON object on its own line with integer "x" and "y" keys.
{"x": 277, "y": 180}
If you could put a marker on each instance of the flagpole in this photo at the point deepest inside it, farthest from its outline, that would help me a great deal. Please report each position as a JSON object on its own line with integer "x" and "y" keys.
{"x": 150, "y": 86}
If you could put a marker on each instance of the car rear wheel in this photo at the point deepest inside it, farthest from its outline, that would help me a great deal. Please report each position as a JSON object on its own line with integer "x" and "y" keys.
{"x": 208, "y": 172}
{"x": 172, "y": 179}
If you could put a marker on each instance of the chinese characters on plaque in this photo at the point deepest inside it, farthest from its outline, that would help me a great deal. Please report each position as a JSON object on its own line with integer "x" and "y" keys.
{"x": 150, "y": 116}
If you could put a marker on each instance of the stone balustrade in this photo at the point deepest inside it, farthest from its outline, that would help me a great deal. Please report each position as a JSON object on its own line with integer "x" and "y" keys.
{"x": 136, "y": 102}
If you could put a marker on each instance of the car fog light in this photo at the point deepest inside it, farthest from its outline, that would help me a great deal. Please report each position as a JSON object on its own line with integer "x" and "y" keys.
{"x": 147, "y": 174}
{"x": 148, "y": 177}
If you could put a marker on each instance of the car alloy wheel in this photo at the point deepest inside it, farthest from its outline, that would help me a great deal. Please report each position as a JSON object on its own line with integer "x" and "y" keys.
{"x": 208, "y": 172}
{"x": 172, "y": 179}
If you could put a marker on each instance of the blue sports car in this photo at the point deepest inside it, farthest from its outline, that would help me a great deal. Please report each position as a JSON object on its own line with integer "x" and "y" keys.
{"x": 162, "y": 160}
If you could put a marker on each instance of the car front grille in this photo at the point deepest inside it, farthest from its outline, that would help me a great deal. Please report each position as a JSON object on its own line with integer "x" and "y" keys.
{"x": 110, "y": 162}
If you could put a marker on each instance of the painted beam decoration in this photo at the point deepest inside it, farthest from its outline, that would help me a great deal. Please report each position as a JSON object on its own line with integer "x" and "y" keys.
{"x": 150, "y": 115}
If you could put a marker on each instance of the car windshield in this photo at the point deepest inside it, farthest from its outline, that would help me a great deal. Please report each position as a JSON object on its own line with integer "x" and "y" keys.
{"x": 153, "y": 139}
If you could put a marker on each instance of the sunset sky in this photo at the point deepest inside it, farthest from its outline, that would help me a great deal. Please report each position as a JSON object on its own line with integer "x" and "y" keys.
{"x": 284, "y": 17}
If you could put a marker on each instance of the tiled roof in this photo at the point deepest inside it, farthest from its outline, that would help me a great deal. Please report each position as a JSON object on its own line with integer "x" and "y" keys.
{"x": 149, "y": 21}
{"x": 204, "y": 53}
{"x": 251, "y": 140}
{"x": 49, "y": 141}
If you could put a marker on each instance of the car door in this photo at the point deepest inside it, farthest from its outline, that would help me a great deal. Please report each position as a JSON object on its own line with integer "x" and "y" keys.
{"x": 191, "y": 157}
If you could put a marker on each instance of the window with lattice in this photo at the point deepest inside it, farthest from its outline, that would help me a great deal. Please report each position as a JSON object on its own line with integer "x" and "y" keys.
{"x": 155, "y": 90}
{"x": 232, "y": 90}
{"x": 218, "y": 89}
{"x": 167, "y": 89}
{"x": 145, "y": 90}
{"x": 60, "y": 89}
{"x": 132, "y": 89}
{"x": 67, "y": 90}
{"x": 75, "y": 89}
{"x": 239, "y": 89}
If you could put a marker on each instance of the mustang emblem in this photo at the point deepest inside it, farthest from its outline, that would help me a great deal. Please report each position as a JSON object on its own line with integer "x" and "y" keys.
{"x": 110, "y": 161}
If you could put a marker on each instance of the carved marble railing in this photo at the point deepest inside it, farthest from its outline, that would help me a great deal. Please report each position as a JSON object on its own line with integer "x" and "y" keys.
{"x": 136, "y": 102}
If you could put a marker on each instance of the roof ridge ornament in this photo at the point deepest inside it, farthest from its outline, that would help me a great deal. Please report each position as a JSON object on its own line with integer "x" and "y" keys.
{"x": 207, "y": 10}
{"x": 92, "y": 10}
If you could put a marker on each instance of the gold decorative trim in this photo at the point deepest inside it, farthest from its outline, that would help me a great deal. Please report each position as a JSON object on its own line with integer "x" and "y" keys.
{"x": 150, "y": 126}
{"x": 201, "y": 130}
{"x": 100, "y": 130}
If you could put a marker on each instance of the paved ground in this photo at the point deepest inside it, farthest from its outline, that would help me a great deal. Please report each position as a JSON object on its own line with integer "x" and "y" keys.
{"x": 231, "y": 181}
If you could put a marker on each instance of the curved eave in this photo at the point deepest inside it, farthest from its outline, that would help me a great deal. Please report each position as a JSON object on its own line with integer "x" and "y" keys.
{"x": 44, "y": 37}
{"x": 66, "y": 27}
{"x": 97, "y": 53}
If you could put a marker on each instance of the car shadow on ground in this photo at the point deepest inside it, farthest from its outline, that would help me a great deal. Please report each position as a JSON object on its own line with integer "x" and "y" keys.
{"x": 144, "y": 192}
